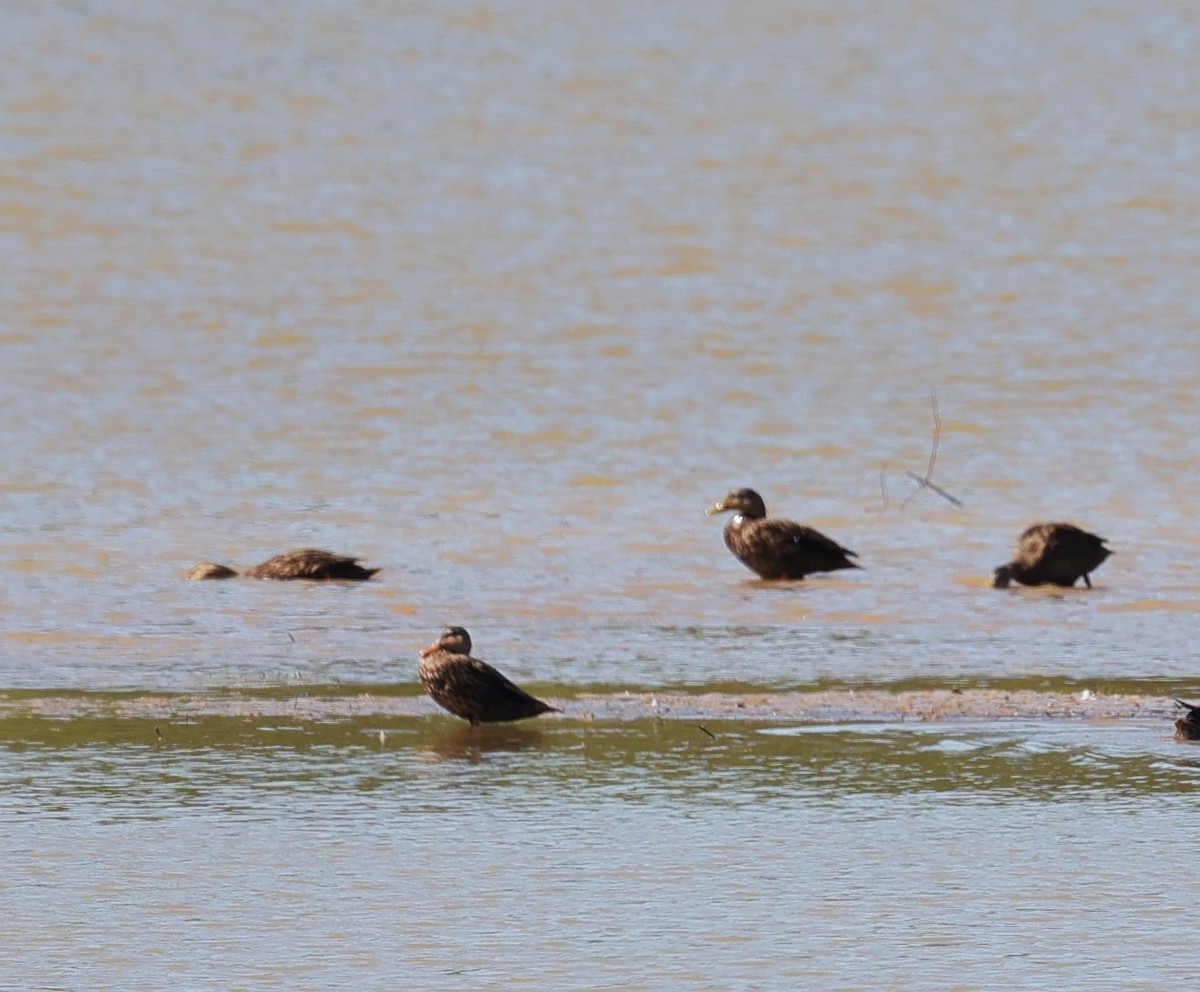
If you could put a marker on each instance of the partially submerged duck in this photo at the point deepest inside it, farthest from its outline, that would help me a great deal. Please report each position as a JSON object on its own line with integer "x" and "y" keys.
{"x": 313, "y": 564}
{"x": 470, "y": 688}
{"x": 1053, "y": 555}
{"x": 1187, "y": 727}
{"x": 774, "y": 548}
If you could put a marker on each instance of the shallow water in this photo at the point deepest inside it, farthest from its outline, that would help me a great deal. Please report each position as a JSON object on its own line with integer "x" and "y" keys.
{"x": 501, "y": 301}
{"x": 577, "y": 856}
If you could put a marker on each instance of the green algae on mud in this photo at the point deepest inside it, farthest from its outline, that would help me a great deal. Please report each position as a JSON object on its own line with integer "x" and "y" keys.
{"x": 346, "y": 716}
{"x": 726, "y": 761}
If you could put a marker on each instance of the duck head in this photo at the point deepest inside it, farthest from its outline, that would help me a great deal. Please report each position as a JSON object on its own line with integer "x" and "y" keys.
{"x": 744, "y": 501}
{"x": 454, "y": 640}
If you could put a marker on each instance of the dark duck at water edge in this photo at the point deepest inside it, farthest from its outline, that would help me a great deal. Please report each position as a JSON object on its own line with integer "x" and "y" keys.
{"x": 1187, "y": 727}
{"x": 471, "y": 688}
{"x": 1054, "y": 554}
{"x": 776, "y": 548}
{"x": 311, "y": 564}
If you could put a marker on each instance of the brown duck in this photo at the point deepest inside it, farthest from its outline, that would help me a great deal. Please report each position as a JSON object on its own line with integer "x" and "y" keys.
{"x": 313, "y": 564}
{"x": 774, "y": 548}
{"x": 1187, "y": 727}
{"x": 1053, "y": 555}
{"x": 470, "y": 688}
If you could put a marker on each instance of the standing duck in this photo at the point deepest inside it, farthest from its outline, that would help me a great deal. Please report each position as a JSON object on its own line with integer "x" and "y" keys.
{"x": 470, "y": 688}
{"x": 313, "y": 564}
{"x": 774, "y": 548}
{"x": 1054, "y": 555}
{"x": 1187, "y": 727}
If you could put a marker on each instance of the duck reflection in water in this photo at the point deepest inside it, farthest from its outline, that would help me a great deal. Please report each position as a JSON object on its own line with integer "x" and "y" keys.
{"x": 468, "y": 743}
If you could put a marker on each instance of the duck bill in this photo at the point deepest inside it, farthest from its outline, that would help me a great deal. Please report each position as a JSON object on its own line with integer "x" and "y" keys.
{"x": 716, "y": 508}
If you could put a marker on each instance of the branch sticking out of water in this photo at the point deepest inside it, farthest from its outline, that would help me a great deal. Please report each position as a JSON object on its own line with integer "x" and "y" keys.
{"x": 926, "y": 481}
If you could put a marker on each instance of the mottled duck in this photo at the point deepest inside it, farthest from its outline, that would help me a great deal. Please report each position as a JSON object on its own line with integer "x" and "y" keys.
{"x": 312, "y": 564}
{"x": 775, "y": 548}
{"x": 1053, "y": 555}
{"x": 470, "y": 688}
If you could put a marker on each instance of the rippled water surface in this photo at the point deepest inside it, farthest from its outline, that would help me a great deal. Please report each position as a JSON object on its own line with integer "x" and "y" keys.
{"x": 500, "y": 298}
{"x": 600, "y": 857}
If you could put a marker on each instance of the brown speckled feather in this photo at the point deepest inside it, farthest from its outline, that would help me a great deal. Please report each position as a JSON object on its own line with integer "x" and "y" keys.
{"x": 783, "y": 549}
{"x": 313, "y": 564}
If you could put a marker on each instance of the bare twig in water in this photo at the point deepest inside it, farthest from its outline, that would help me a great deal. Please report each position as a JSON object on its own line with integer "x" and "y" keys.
{"x": 707, "y": 731}
{"x": 927, "y": 482}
